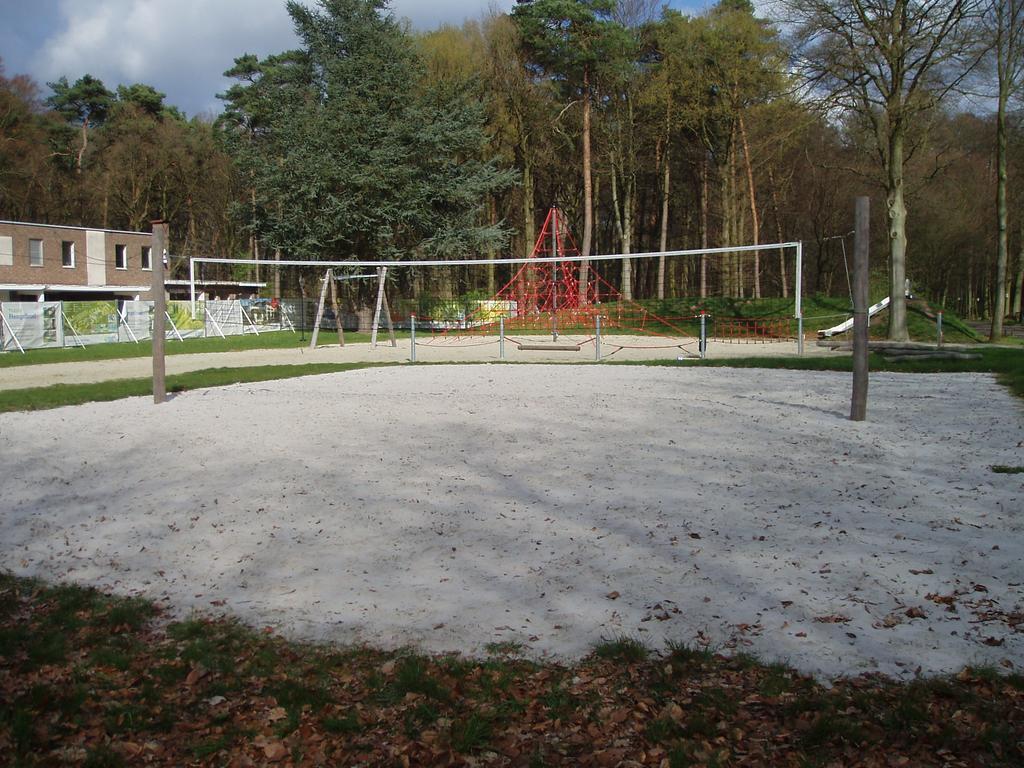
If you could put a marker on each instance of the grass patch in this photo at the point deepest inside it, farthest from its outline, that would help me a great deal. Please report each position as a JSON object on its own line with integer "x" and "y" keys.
{"x": 833, "y": 728}
{"x": 778, "y": 679}
{"x": 208, "y": 690}
{"x": 663, "y": 730}
{"x": 557, "y": 700}
{"x": 624, "y": 649}
{"x": 506, "y": 648}
{"x": 412, "y": 675}
{"x": 472, "y": 734}
{"x": 1001, "y": 469}
{"x": 210, "y": 747}
{"x": 346, "y": 724}
{"x": 103, "y": 756}
{"x": 58, "y": 395}
{"x": 123, "y": 351}
{"x": 1006, "y": 364}
{"x": 683, "y": 656}
{"x": 296, "y": 696}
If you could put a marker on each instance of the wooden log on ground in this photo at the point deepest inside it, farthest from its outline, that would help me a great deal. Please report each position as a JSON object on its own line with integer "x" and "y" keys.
{"x": 550, "y": 347}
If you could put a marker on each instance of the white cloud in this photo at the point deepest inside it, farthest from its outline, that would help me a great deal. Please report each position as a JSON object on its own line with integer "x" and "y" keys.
{"x": 182, "y": 47}
{"x": 427, "y": 15}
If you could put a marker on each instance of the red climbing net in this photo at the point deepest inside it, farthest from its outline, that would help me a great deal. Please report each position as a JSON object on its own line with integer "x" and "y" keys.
{"x": 555, "y": 287}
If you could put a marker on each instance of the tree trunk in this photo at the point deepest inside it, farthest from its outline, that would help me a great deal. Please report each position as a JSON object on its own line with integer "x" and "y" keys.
{"x": 1018, "y": 303}
{"x": 778, "y": 229}
{"x": 755, "y": 222}
{"x": 588, "y": 193}
{"x": 727, "y": 179}
{"x": 628, "y": 203}
{"x": 254, "y": 242}
{"x": 492, "y": 220}
{"x": 1002, "y": 247}
{"x": 704, "y": 223}
{"x": 85, "y": 143}
{"x": 529, "y": 225}
{"x": 663, "y": 244}
{"x": 897, "y": 211}
{"x": 623, "y": 226}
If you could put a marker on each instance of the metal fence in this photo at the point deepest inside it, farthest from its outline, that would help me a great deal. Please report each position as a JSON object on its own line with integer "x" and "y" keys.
{"x": 56, "y": 324}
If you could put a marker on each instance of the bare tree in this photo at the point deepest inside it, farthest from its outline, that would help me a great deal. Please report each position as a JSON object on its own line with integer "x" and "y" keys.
{"x": 636, "y": 13}
{"x": 1005, "y": 24}
{"x": 887, "y": 63}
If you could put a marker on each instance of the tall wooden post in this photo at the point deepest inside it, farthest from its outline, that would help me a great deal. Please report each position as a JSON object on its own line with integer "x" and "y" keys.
{"x": 382, "y": 276}
{"x": 861, "y": 236}
{"x": 337, "y": 310}
{"x": 159, "y": 311}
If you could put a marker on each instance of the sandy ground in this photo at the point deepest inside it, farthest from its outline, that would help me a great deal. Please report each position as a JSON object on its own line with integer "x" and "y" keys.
{"x": 451, "y": 507}
{"x": 428, "y": 349}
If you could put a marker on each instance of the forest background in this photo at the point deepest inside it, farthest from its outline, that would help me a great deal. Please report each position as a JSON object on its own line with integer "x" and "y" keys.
{"x": 651, "y": 129}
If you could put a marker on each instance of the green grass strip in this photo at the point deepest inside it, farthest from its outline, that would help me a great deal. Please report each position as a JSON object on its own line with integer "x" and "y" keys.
{"x": 58, "y": 395}
{"x": 1006, "y": 364}
{"x": 819, "y": 312}
{"x": 125, "y": 350}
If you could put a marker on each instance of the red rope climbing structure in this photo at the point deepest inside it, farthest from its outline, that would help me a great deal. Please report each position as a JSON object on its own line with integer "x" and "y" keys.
{"x": 554, "y": 287}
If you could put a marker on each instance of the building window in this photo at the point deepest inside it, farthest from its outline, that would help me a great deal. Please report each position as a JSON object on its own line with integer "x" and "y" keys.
{"x": 67, "y": 254}
{"x": 147, "y": 257}
{"x": 120, "y": 256}
{"x": 35, "y": 253}
{"x": 6, "y": 251}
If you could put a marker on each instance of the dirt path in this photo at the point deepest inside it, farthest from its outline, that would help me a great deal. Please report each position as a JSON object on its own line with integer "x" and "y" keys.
{"x": 427, "y": 350}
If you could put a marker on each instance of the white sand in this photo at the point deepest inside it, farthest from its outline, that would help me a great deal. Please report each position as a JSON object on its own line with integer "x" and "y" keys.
{"x": 454, "y": 506}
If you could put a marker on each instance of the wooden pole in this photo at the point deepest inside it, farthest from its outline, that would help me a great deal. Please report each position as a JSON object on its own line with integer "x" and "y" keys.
{"x": 387, "y": 316}
{"x": 861, "y": 235}
{"x": 382, "y": 274}
{"x": 159, "y": 312}
{"x": 328, "y": 280}
{"x": 337, "y": 310}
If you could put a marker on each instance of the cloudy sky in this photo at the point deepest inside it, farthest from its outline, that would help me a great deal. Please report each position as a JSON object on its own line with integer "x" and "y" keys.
{"x": 180, "y": 47}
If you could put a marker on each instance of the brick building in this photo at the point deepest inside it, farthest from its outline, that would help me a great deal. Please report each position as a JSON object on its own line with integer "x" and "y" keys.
{"x": 55, "y": 263}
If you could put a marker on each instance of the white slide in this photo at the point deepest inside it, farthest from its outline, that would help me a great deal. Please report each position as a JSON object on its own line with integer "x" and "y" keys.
{"x": 846, "y": 325}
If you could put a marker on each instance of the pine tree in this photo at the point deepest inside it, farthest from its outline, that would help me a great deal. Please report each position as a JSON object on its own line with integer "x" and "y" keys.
{"x": 351, "y": 151}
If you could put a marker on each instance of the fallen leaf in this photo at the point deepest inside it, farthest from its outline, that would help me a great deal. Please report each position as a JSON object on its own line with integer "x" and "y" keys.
{"x": 613, "y": 595}
{"x": 131, "y": 749}
{"x": 275, "y": 751}
{"x": 197, "y": 673}
{"x": 832, "y": 618}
